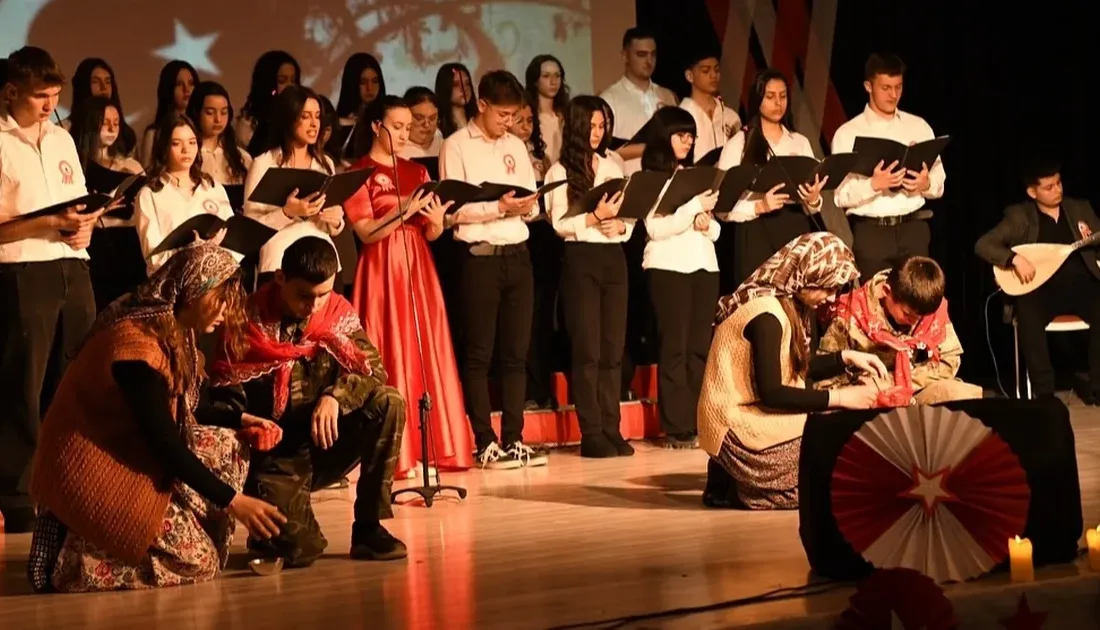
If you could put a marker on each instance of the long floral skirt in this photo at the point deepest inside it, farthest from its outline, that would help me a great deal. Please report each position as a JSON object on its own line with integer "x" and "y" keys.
{"x": 193, "y": 545}
{"x": 766, "y": 480}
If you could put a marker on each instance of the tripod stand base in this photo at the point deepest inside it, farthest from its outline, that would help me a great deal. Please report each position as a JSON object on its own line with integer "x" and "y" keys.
{"x": 428, "y": 493}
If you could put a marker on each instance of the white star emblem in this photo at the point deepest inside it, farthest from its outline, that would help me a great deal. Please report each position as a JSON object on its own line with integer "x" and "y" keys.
{"x": 928, "y": 489}
{"x": 187, "y": 47}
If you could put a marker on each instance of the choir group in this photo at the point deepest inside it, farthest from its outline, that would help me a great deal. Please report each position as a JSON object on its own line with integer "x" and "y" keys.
{"x": 190, "y": 381}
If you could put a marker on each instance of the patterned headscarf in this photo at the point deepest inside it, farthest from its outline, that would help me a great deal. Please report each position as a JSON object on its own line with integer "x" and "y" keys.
{"x": 818, "y": 260}
{"x": 188, "y": 275}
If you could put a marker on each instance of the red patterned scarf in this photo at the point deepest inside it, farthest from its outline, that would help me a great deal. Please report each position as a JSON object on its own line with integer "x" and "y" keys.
{"x": 330, "y": 330}
{"x": 928, "y": 334}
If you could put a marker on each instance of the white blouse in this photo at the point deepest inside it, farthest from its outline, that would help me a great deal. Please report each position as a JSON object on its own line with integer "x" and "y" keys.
{"x": 215, "y": 165}
{"x": 156, "y": 214}
{"x": 791, "y": 143}
{"x": 413, "y": 150}
{"x": 675, "y": 245}
{"x": 574, "y": 229}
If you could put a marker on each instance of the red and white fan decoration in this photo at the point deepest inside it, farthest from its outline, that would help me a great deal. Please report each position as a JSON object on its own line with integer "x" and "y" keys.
{"x": 929, "y": 489}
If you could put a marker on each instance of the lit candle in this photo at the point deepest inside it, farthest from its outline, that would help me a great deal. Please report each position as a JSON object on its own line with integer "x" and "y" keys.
{"x": 1092, "y": 537}
{"x": 1019, "y": 557}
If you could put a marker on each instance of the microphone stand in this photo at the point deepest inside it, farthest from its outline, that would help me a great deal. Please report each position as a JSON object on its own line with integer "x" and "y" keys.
{"x": 426, "y": 490}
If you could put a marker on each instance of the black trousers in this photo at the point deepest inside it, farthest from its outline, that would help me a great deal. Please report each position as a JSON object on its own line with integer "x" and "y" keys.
{"x": 46, "y": 311}
{"x": 594, "y": 295}
{"x": 497, "y": 304}
{"x": 1036, "y": 309}
{"x": 684, "y": 305}
{"x": 543, "y": 357}
{"x": 285, "y": 476}
{"x": 879, "y": 247}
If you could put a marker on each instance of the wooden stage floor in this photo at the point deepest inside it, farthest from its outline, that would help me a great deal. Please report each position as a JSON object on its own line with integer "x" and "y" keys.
{"x": 578, "y": 541}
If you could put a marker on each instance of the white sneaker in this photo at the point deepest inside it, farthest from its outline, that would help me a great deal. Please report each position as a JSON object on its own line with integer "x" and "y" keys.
{"x": 496, "y": 458}
{"x": 528, "y": 456}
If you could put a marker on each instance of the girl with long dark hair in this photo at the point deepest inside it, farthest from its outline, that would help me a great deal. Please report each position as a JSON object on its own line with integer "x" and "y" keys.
{"x": 594, "y": 277}
{"x": 454, "y": 97}
{"x": 682, "y": 267}
{"x": 767, "y": 222}
{"x": 360, "y": 84}
{"x": 273, "y": 72}
{"x": 549, "y": 96}
{"x": 94, "y": 77}
{"x": 177, "y": 80}
{"x": 210, "y": 109}
{"x": 385, "y": 277}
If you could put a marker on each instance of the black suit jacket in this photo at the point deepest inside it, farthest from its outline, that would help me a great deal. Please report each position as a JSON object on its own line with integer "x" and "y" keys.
{"x": 1020, "y": 225}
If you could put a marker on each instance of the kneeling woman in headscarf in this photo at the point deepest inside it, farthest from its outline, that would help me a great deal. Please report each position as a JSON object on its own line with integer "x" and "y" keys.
{"x": 138, "y": 485}
{"x": 755, "y": 398}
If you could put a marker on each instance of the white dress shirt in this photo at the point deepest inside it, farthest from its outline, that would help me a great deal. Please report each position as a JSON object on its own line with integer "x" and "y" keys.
{"x": 156, "y": 214}
{"x": 36, "y": 173}
{"x": 271, "y": 256}
{"x": 711, "y": 131}
{"x": 573, "y": 229}
{"x": 856, "y": 194}
{"x": 633, "y": 107}
{"x": 215, "y": 165}
{"x": 790, "y": 143}
{"x": 469, "y": 155}
{"x": 413, "y": 150}
{"x": 675, "y": 245}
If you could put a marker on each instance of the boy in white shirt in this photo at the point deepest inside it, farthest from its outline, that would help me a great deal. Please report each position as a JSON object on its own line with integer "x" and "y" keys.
{"x": 715, "y": 123}
{"x": 46, "y": 300}
{"x": 497, "y": 282}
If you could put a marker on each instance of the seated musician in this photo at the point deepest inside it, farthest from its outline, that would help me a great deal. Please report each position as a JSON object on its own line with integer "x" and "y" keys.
{"x": 309, "y": 366}
{"x": 754, "y": 401}
{"x": 900, "y": 315}
{"x": 1073, "y": 289}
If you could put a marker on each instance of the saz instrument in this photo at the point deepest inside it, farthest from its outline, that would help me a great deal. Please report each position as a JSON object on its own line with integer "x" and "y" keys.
{"x": 1047, "y": 258}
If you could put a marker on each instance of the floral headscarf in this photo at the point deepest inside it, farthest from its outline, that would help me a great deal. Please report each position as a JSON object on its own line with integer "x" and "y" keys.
{"x": 188, "y": 275}
{"x": 818, "y": 260}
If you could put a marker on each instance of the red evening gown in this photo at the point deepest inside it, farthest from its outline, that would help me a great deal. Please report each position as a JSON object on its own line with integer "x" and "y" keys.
{"x": 383, "y": 280}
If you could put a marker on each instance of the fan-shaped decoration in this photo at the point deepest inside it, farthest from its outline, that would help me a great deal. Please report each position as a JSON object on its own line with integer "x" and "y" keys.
{"x": 893, "y": 598}
{"x": 929, "y": 489}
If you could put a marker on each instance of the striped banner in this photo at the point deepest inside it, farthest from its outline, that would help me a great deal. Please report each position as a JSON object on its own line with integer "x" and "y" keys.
{"x": 794, "y": 37}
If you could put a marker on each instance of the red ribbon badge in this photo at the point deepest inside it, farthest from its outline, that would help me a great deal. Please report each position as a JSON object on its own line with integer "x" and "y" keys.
{"x": 1084, "y": 229}
{"x": 210, "y": 206}
{"x": 510, "y": 164}
{"x": 66, "y": 173}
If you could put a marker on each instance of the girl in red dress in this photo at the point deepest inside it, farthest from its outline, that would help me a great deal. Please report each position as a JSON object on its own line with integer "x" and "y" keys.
{"x": 386, "y": 279}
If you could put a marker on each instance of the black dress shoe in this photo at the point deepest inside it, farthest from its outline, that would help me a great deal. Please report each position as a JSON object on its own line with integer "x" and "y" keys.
{"x": 375, "y": 543}
{"x": 597, "y": 446}
{"x": 622, "y": 447}
{"x": 21, "y": 520}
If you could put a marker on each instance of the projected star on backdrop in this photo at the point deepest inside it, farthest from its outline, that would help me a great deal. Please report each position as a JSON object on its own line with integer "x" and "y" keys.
{"x": 194, "y": 49}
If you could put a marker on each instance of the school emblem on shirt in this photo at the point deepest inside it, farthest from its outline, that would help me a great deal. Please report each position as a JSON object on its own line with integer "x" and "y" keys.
{"x": 1084, "y": 229}
{"x": 210, "y": 206}
{"x": 510, "y": 164}
{"x": 66, "y": 172}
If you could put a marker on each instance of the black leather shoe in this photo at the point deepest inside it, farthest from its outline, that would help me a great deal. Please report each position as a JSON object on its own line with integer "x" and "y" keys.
{"x": 597, "y": 446}
{"x": 376, "y": 544}
{"x": 622, "y": 447}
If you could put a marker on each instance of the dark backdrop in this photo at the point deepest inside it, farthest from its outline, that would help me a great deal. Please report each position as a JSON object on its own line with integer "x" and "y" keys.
{"x": 1005, "y": 83}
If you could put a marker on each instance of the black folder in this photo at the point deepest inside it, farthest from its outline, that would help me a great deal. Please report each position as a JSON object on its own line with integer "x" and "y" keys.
{"x": 242, "y": 235}
{"x": 638, "y": 138}
{"x": 795, "y": 170}
{"x": 492, "y": 192}
{"x": 871, "y": 151}
{"x": 458, "y": 192}
{"x": 641, "y": 193}
{"x": 735, "y": 182}
{"x": 686, "y": 184}
{"x": 235, "y": 192}
{"x": 710, "y": 158}
{"x": 430, "y": 163}
{"x": 104, "y": 180}
{"x": 278, "y": 183}
{"x": 91, "y": 202}
{"x": 590, "y": 200}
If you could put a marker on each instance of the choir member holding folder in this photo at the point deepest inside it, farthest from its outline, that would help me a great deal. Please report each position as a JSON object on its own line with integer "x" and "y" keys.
{"x": 594, "y": 278}
{"x": 769, "y": 217}
{"x": 177, "y": 189}
{"x": 497, "y": 285}
{"x": 225, "y": 162}
{"x": 395, "y": 261}
{"x": 295, "y": 126}
{"x": 683, "y": 277}
{"x": 47, "y": 304}
{"x": 896, "y": 177}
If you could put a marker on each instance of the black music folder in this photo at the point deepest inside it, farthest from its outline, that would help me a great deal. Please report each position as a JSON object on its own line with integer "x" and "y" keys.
{"x": 638, "y": 138}
{"x": 492, "y": 192}
{"x": 235, "y": 192}
{"x": 242, "y": 235}
{"x": 101, "y": 179}
{"x": 795, "y": 170}
{"x": 589, "y": 201}
{"x": 641, "y": 194}
{"x": 458, "y": 192}
{"x": 710, "y": 158}
{"x": 871, "y": 151}
{"x": 735, "y": 182}
{"x": 686, "y": 184}
{"x": 430, "y": 163}
{"x": 277, "y": 184}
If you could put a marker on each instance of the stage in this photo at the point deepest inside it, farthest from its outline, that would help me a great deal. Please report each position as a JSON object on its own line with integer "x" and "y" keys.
{"x": 576, "y": 542}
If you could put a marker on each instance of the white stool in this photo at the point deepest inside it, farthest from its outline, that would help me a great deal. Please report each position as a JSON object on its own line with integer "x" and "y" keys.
{"x": 1061, "y": 323}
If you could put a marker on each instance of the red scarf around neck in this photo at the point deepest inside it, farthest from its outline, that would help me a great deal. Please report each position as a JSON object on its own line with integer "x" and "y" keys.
{"x": 330, "y": 330}
{"x": 929, "y": 333}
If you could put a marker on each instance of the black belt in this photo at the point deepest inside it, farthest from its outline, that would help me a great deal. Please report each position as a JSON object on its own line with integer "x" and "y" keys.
{"x": 919, "y": 215}
{"x": 488, "y": 249}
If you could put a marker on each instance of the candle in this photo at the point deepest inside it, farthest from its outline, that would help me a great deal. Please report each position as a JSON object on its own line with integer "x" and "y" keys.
{"x": 1092, "y": 537}
{"x": 1019, "y": 557}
